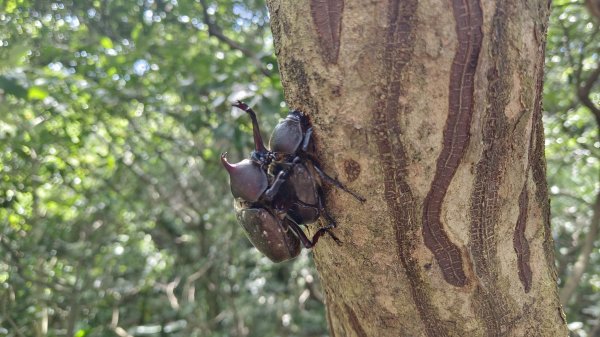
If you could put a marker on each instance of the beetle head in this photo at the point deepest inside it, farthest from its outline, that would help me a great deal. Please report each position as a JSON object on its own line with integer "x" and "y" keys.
{"x": 248, "y": 181}
{"x": 288, "y": 134}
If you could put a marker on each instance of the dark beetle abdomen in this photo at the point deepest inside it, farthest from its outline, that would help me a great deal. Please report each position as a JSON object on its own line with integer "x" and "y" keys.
{"x": 269, "y": 235}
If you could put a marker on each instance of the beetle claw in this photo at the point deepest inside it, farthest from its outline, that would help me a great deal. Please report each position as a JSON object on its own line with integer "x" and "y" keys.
{"x": 335, "y": 238}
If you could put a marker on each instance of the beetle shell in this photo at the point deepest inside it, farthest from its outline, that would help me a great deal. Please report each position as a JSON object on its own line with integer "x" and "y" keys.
{"x": 269, "y": 235}
{"x": 306, "y": 191}
{"x": 288, "y": 134}
{"x": 247, "y": 180}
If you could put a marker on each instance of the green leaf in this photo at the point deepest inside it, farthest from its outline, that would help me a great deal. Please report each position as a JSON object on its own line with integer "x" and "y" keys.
{"x": 36, "y": 93}
{"x": 10, "y": 6}
{"x": 80, "y": 333}
{"x": 135, "y": 33}
{"x": 106, "y": 42}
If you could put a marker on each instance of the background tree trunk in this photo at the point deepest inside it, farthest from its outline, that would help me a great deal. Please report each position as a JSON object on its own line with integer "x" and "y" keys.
{"x": 432, "y": 111}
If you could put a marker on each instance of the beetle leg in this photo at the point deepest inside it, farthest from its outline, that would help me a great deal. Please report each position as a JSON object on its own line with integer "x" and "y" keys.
{"x": 306, "y": 242}
{"x": 336, "y": 183}
{"x": 300, "y": 233}
{"x": 328, "y": 217}
{"x": 330, "y": 222}
{"x": 279, "y": 180}
{"x": 281, "y": 177}
{"x": 258, "y": 142}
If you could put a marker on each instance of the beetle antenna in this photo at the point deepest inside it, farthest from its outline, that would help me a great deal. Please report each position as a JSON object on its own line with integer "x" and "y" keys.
{"x": 258, "y": 142}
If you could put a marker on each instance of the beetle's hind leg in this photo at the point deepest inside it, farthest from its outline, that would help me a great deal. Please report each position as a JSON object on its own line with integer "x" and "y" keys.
{"x": 327, "y": 229}
{"x": 309, "y": 243}
{"x": 331, "y": 223}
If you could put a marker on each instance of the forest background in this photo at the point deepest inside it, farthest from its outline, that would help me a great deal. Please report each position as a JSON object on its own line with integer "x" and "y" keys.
{"x": 115, "y": 214}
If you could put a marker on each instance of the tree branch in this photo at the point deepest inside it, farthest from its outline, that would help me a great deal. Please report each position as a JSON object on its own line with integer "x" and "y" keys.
{"x": 216, "y": 31}
{"x": 188, "y": 291}
{"x": 583, "y": 93}
{"x": 573, "y": 197}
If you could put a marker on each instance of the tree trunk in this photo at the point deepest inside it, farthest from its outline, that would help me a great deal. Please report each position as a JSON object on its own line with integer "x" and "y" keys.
{"x": 432, "y": 111}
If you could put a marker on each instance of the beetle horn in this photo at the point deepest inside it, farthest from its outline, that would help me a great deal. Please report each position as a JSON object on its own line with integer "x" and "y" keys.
{"x": 225, "y": 163}
{"x": 258, "y": 141}
{"x": 247, "y": 180}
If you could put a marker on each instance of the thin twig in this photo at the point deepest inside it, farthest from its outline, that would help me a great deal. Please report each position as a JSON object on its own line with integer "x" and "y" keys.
{"x": 584, "y": 93}
{"x": 216, "y": 31}
{"x": 583, "y": 259}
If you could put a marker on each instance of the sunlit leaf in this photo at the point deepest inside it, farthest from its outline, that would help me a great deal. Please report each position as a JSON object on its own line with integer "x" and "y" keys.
{"x": 36, "y": 93}
{"x": 106, "y": 42}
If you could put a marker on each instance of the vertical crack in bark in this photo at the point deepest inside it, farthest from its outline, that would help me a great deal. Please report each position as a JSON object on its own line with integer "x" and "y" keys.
{"x": 327, "y": 16}
{"x": 537, "y": 161}
{"x": 355, "y": 322}
{"x": 469, "y": 19}
{"x": 520, "y": 243}
{"x": 490, "y": 302}
{"x": 537, "y": 165}
{"x": 398, "y": 48}
{"x": 329, "y": 321}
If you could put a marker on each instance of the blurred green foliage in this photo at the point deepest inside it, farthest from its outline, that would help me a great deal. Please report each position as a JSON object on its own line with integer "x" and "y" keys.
{"x": 115, "y": 216}
{"x": 573, "y": 154}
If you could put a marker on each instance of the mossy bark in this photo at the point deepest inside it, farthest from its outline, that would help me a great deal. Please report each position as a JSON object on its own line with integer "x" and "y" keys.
{"x": 432, "y": 111}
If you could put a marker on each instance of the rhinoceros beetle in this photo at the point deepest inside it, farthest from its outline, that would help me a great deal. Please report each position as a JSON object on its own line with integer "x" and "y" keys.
{"x": 290, "y": 142}
{"x": 279, "y": 189}
{"x": 265, "y": 219}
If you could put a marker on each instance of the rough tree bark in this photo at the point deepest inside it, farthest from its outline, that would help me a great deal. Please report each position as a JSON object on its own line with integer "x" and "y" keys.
{"x": 431, "y": 110}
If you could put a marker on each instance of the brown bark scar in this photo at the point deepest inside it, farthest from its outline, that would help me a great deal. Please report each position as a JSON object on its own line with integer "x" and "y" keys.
{"x": 352, "y": 169}
{"x": 327, "y": 16}
{"x": 469, "y": 19}
{"x": 397, "y": 52}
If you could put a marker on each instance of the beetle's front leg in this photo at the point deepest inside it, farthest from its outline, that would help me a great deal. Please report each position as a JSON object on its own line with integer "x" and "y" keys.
{"x": 271, "y": 192}
{"x": 281, "y": 177}
{"x": 306, "y": 140}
